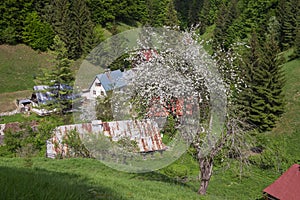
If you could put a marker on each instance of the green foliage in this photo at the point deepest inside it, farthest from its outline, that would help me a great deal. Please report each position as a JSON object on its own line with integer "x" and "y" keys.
{"x": 156, "y": 12}
{"x": 104, "y": 109}
{"x": 29, "y": 140}
{"x": 9, "y": 35}
{"x": 220, "y": 37}
{"x": 176, "y": 171}
{"x": 287, "y": 13}
{"x": 274, "y": 155}
{"x": 57, "y": 79}
{"x": 171, "y": 15}
{"x": 37, "y": 34}
{"x": 106, "y": 11}
{"x": 80, "y": 30}
{"x": 262, "y": 96}
{"x": 192, "y": 12}
{"x": 75, "y": 145}
{"x": 71, "y": 21}
{"x": 169, "y": 129}
{"x": 12, "y": 16}
{"x": 128, "y": 145}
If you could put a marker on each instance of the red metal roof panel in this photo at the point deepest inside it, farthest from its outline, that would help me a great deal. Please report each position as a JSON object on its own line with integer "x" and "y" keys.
{"x": 287, "y": 186}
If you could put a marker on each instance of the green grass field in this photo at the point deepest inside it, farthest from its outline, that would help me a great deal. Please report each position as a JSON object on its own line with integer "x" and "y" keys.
{"x": 18, "y": 66}
{"x": 41, "y": 178}
{"x": 89, "y": 179}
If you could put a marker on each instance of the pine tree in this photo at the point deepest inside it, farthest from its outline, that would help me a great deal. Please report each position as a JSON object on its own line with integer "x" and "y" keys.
{"x": 262, "y": 98}
{"x": 59, "y": 80}
{"x": 222, "y": 38}
{"x": 80, "y": 28}
{"x": 171, "y": 15}
{"x": 204, "y": 19}
{"x": 297, "y": 45}
{"x": 194, "y": 12}
{"x": 71, "y": 21}
{"x": 250, "y": 62}
{"x": 36, "y": 33}
{"x": 287, "y": 20}
{"x": 58, "y": 15}
{"x": 297, "y": 33}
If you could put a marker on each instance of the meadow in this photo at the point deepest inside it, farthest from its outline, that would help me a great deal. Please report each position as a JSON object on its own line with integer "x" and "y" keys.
{"x": 42, "y": 178}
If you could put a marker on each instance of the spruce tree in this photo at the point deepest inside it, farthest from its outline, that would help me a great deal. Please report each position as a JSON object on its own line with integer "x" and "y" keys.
{"x": 221, "y": 37}
{"x": 71, "y": 21}
{"x": 262, "y": 97}
{"x": 204, "y": 17}
{"x": 171, "y": 15}
{"x": 297, "y": 45}
{"x": 287, "y": 20}
{"x": 250, "y": 62}
{"x": 80, "y": 31}
{"x": 297, "y": 33}
{"x": 36, "y": 33}
{"x": 59, "y": 80}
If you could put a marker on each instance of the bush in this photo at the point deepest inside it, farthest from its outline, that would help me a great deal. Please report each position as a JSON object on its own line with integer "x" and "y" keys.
{"x": 28, "y": 139}
{"x": 176, "y": 171}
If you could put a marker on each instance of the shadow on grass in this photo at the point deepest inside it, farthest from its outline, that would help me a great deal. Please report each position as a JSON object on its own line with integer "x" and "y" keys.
{"x": 39, "y": 184}
{"x": 158, "y": 176}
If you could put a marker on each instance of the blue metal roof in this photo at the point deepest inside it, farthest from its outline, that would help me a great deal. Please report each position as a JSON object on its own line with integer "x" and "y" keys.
{"x": 42, "y": 93}
{"x": 111, "y": 80}
{"x": 46, "y": 94}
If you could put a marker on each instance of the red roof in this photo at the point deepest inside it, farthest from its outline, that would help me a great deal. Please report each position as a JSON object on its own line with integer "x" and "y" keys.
{"x": 287, "y": 186}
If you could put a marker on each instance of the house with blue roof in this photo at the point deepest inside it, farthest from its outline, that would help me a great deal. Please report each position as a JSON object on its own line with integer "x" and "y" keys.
{"x": 106, "y": 82}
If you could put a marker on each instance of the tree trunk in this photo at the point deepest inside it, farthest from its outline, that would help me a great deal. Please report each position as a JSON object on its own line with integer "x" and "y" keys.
{"x": 206, "y": 165}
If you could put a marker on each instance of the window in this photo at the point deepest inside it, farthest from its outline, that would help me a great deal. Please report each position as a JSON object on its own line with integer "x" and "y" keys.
{"x": 102, "y": 93}
{"x": 94, "y": 92}
{"x": 98, "y": 84}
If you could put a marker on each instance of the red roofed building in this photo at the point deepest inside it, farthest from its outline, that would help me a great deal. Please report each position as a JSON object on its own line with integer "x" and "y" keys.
{"x": 286, "y": 187}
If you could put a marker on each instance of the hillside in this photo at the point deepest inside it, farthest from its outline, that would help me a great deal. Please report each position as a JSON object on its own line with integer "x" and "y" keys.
{"x": 90, "y": 179}
{"x": 18, "y": 66}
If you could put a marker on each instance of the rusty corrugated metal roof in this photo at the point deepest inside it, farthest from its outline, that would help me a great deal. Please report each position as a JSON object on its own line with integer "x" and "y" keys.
{"x": 145, "y": 133}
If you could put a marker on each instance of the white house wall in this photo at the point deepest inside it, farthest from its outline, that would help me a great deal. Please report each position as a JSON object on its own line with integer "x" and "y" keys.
{"x": 96, "y": 91}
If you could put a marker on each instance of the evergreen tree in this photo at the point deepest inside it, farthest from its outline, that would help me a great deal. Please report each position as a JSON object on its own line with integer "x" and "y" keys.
{"x": 262, "y": 98}
{"x": 297, "y": 33}
{"x": 80, "y": 31}
{"x": 12, "y": 16}
{"x": 72, "y": 23}
{"x": 58, "y": 14}
{"x": 297, "y": 45}
{"x": 156, "y": 12}
{"x": 204, "y": 17}
{"x": 194, "y": 12}
{"x": 250, "y": 68}
{"x": 36, "y": 33}
{"x": 220, "y": 32}
{"x": 171, "y": 15}
{"x": 287, "y": 19}
{"x": 59, "y": 80}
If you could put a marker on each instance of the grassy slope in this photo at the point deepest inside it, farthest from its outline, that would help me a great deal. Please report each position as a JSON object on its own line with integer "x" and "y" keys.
{"x": 18, "y": 66}
{"x": 105, "y": 183}
{"x": 83, "y": 179}
{"x": 288, "y": 128}
{"x": 88, "y": 179}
